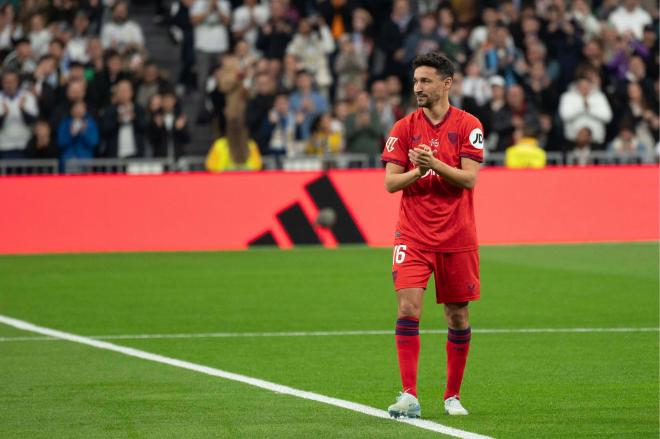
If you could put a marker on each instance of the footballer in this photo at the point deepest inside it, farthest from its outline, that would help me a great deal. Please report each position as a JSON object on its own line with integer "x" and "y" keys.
{"x": 433, "y": 155}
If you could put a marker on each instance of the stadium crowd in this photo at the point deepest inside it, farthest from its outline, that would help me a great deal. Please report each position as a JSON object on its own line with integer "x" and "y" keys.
{"x": 316, "y": 77}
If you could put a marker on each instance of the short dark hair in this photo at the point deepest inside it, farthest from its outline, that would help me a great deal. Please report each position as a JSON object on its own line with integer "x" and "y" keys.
{"x": 436, "y": 60}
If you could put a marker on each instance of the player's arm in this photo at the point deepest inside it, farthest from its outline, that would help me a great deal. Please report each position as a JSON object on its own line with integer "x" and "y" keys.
{"x": 396, "y": 179}
{"x": 465, "y": 177}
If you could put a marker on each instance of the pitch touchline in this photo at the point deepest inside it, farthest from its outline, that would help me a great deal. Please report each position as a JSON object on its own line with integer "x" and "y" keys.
{"x": 335, "y": 333}
{"x": 277, "y": 388}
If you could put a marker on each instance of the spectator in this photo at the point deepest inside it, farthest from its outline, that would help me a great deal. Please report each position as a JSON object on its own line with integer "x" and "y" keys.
{"x": 21, "y": 60}
{"x": 111, "y": 75}
{"x": 338, "y": 14}
{"x": 10, "y": 29}
{"x": 151, "y": 83}
{"x": 539, "y": 88}
{"x": 56, "y": 50}
{"x": 122, "y": 34}
{"x": 474, "y": 85}
{"x": 39, "y": 35}
{"x": 501, "y": 56}
{"x": 211, "y": 19}
{"x": 351, "y": 65}
{"x": 123, "y": 125}
{"x": 247, "y": 20}
{"x": 258, "y": 108}
{"x": 291, "y": 67}
{"x": 394, "y": 31}
{"x": 306, "y": 103}
{"x": 77, "y": 47}
{"x": 234, "y": 152}
{"x": 564, "y": 41}
{"x": 168, "y": 128}
{"x": 326, "y": 136}
{"x": 76, "y": 90}
{"x": 497, "y": 117}
{"x": 274, "y": 35}
{"x": 423, "y": 40}
{"x": 77, "y": 135}
{"x": 44, "y": 86}
{"x": 526, "y": 152}
{"x": 584, "y": 105}
{"x": 394, "y": 92}
{"x": 230, "y": 83}
{"x": 311, "y": 45}
{"x": 583, "y": 146}
{"x": 41, "y": 145}
{"x": 630, "y": 18}
{"x": 459, "y": 99}
{"x": 383, "y": 106}
{"x": 18, "y": 111}
{"x": 626, "y": 144}
{"x": 479, "y": 35}
{"x": 640, "y": 117}
{"x": 583, "y": 16}
{"x": 281, "y": 130}
{"x": 182, "y": 19}
{"x": 363, "y": 129}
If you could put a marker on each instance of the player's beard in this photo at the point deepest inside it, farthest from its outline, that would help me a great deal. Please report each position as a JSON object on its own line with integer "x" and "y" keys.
{"x": 425, "y": 100}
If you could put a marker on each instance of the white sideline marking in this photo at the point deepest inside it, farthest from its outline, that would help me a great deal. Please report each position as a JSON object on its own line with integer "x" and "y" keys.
{"x": 278, "y": 388}
{"x": 336, "y": 333}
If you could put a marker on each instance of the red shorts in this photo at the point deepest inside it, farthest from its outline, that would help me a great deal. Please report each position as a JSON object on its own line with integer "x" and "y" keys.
{"x": 456, "y": 274}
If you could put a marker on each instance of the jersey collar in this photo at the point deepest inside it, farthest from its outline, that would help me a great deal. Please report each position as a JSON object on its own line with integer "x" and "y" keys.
{"x": 444, "y": 119}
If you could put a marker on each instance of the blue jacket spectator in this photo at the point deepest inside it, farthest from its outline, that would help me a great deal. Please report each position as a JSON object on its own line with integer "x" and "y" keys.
{"x": 77, "y": 135}
{"x": 307, "y": 103}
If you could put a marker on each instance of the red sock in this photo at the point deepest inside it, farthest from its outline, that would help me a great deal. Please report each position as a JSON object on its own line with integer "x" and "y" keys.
{"x": 458, "y": 345}
{"x": 407, "y": 347}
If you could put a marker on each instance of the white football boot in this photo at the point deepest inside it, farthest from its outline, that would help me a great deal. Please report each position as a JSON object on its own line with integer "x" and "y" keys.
{"x": 406, "y": 405}
{"x": 454, "y": 407}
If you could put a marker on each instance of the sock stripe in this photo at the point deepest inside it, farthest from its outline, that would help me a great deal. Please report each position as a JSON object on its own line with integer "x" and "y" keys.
{"x": 459, "y": 332}
{"x": 459, "y": 336}
{"x": 408, "y": 326}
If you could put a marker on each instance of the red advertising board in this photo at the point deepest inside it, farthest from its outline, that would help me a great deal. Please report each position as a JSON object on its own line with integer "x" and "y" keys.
{"x": 235, "y": 210}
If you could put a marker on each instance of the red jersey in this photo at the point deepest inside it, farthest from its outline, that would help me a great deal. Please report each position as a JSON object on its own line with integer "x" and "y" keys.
{"x": 434, "y": 214}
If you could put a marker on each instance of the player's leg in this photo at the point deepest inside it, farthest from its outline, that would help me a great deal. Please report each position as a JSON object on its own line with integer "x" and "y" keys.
{"x": 409, "y": 311}
{"x": 410, "y": 271}
{"x": 457, "y": 283}
{"x": 459, "y": 334}
{"x": 410, "y": 301}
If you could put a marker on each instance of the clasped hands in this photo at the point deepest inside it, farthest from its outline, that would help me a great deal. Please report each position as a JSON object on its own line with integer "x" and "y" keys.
{"x": 422, "y": 157}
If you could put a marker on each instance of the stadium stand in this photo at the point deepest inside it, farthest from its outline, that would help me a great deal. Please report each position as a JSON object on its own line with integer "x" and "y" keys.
{"x": 108, "y": 86}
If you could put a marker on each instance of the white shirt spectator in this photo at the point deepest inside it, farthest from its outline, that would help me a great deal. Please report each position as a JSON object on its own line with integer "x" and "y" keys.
{"x": 578, "y": 112}
{"x": 211, "y": 35}
{"x": 243, "y": 15}
{"x": 76, "y": 49}
{"x": 312, "y": 51}
{"x": 8, "y": 34}
{"x": 39, "y": 41}
{"x": 119, "y": 35}
{"x": 630, "y": 21}
{"x": 477, "y": 87}
{"x": 15, "y": 133}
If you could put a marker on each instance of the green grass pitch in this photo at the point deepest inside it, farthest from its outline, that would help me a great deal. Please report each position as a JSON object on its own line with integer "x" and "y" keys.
{"x": 517, "y": 385}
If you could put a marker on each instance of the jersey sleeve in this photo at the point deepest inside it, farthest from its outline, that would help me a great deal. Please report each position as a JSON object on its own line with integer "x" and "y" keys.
{"x": 397, "y": 145}
{"x": 472, "y": 140}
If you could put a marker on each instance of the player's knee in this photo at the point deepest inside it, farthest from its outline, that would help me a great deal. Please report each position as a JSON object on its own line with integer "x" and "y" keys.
{"x": 409, "y": 309}
{"x": 457, "y": 316}
{"x": 457, "y": 321}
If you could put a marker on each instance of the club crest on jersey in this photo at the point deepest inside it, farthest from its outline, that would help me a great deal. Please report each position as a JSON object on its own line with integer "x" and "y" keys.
{"x": 389, "y": 145}
{"x": 434, "y": 142}
{"x": 477, "y": 138}
{"x": 416, "y": 139}
{"x": 453, "y": 138}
